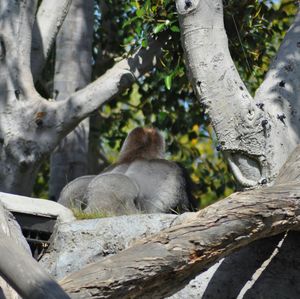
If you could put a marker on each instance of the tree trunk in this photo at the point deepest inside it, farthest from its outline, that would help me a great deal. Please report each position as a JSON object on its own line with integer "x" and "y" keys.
{"x": 49, "y": 18}
{"x": 73, "y": 66}
{"x": 31, "y": 126}
{"x": 19, "y": 156}
{"x": 257, "y": 135}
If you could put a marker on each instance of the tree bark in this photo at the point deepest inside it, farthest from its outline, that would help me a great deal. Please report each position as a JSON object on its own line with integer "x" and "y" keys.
{"x": 70, "y": 158}
{"x": 49, "y": 20}
{"x": 20, "y": 270}
{"x": 10, "y": 228}
{"x": 162, "y": 264}
{"x": 16, "y": 151}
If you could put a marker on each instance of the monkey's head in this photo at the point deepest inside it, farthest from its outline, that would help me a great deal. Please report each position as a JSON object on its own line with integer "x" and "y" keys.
{"x": 142, "y": 143}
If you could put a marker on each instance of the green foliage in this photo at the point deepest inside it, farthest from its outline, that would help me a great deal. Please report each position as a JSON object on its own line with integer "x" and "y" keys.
{"x": 255, "y": 30}
{"x": 80, "y": 215}
{"x": 164, "y": 98}
{"x": 40, "y": 189}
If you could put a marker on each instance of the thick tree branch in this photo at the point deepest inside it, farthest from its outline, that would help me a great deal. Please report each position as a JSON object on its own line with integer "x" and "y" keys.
{"x": 16, "y": 42}
{"x": 290, "y": 170}
{"x": 183, "y": 251}
{"x": 283, "y": 78}
{"x": 24, "y": 274}
{"x": 49, "y": 19}
{"x": 21, "y": 271}
{"x": 114, "y": 81}
{"x": 26, "y": 20}
{"x": 218, "y": 85}
{"x": 280, "y": 95}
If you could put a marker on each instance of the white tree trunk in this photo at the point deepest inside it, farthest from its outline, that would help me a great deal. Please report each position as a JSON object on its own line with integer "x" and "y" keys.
{"x": 73, "y": 67}
{"x": 250, "y": 132}
{"x": 49, "y": 19}
{"x": 16, "y": 152}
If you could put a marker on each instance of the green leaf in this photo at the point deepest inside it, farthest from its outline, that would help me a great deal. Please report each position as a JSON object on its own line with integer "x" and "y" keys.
{"x": 140, "y": 12}
{"x": 129, "y": 22}
{"x": 159, "y": 28}
{"x": 168, "y": 82}
{"x": 175, "y": 28}
{"x": 144, "y": 43}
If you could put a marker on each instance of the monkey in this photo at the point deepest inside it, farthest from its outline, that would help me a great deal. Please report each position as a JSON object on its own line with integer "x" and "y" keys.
{"x": 141, "y": 180}
{"x": 142, "y": 143}
{"x": 72, "y": 195}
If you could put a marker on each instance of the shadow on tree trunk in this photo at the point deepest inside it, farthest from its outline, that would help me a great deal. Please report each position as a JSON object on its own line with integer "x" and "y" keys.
{"x": 243, "y": 275}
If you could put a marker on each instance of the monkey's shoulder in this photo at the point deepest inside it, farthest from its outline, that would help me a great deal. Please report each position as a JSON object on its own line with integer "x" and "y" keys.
{"x": 157, "y": 161}
{"x": 140, "y": 163}
{"x": 155, "y": 166}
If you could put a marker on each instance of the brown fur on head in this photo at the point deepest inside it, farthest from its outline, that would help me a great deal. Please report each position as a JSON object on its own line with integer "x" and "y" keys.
{"x": 142, "y": 143}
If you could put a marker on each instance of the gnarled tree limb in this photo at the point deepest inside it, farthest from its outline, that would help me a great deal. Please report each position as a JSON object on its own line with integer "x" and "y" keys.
{"x": 80, "y": 104}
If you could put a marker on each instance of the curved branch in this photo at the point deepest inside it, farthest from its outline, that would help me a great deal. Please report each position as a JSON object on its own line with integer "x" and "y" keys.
{"x": 49, "y": 19}
{"x": 25, "y": 275}
{"x": 280, "y": 95}
{"x": 121, "y": 76}
{"x": 218, "y": 85}
{"x": 16, "y": 42}
{"x": 21, "y": 271}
